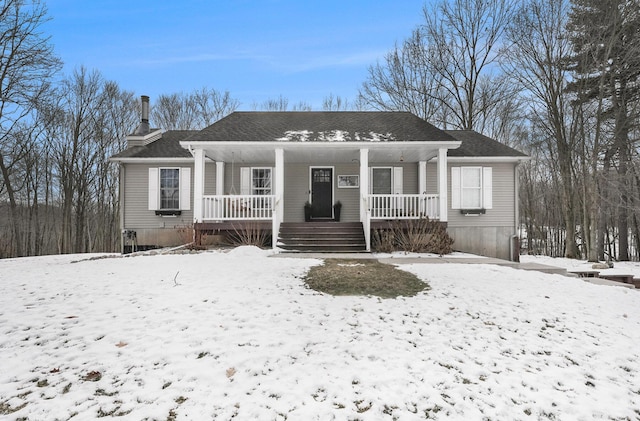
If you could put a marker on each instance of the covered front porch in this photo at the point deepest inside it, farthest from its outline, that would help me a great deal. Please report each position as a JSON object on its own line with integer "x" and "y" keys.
{"x": 272, "y": 182}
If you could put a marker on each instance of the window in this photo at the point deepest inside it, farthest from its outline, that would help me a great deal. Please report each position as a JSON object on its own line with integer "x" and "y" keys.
{"x": 169, "y": 188}
{"x": 322, "y": 175}
{"x": 261, "y": 181}
{"x": 381, "y": 180}
{"x": 256, "y": 181}
{"x": 471, "y": 188}
{"x": 386, "y": 180}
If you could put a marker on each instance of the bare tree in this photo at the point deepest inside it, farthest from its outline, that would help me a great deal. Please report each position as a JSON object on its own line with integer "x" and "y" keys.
{"x": 405, "y": 81}
{"x": 301, "y": 106}
{"x": 444, "y": 72}
{"x": 114, "y": 121}
{"x": 465, "y": 37}
{"x": 272, "y": 104}
{"x": 334, "y": 103}
{"x": 192, "y": 111}
{"x": 27, "y": 63}
{"x": 76, "y": 152}
{"x": 173, "y": 112}
{"x": 536, "y": 62}
{"x": 212, "y": 105}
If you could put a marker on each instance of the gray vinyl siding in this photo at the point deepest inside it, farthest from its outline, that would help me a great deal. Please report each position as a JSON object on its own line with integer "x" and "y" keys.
{"x": 432, "y": 178}
{"x": 297, "y": 188}
{"x": 410, "y": 178}
{"x": 135, "y": 202}
{"x": 489, "y": 234}
{"x": 503, "y": 212}
{"x": 209, "y": 179}
{"x": 232, "y": 175}
{"x": 350, "y": 198}
{"x": 297, "y": 191}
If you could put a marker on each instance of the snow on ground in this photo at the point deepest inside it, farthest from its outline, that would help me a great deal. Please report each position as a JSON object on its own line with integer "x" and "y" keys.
{"x": 220, "y": 335}
{"x": 627, "y": 268}
{"x": 405, "y": 254}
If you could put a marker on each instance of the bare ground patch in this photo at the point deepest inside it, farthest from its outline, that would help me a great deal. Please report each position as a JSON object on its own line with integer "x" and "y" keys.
{"x": 363, "y": 277}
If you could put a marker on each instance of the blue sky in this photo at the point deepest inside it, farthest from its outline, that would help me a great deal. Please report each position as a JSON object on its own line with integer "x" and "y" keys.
{"x": 260, "y": 49}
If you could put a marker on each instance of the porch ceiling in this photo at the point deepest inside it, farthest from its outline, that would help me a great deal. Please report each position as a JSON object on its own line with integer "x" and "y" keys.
{"x": 321, "y": 153}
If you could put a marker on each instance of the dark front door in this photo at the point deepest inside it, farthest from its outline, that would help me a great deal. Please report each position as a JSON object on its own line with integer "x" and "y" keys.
{"x": 321, "y": 192}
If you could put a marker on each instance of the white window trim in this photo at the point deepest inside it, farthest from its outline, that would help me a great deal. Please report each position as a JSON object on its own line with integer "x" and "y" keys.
{"x": 253, "y": 190}
{"x": 246, "y": 179}
{"x": 160, "y": 187}
{"x": 184, "y": 189}
{"x": 486, "y": 187}
{"x": 397, "y": 178}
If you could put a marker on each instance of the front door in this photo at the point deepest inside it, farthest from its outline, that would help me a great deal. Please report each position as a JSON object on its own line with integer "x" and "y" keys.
{"x": 322, "y": 192}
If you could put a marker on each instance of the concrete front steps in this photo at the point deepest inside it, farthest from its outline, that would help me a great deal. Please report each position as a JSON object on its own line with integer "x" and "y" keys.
{"x": 322, "y": 237}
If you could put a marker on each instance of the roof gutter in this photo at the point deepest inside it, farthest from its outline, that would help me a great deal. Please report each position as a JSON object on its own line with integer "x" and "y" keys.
{"x": 187, "y": 144}
{"x": 475, "y": 159}
{"x": 150, "y": 160}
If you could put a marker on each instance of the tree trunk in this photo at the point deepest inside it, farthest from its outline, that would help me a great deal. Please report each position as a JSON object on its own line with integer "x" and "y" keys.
{"x": 622, "y": 142}
{"x": 13, "y": 209}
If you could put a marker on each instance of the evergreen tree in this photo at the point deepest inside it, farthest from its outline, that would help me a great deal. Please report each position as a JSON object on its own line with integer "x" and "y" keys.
{"x": 606, "y": 67}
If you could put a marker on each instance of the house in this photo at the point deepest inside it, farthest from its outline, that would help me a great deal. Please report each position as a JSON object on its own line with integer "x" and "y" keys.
{"x": 264, "y": 166}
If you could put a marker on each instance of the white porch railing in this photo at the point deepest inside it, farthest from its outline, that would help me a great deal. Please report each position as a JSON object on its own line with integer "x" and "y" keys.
{"x": 403, "y": 206}
{"x": 238, "y": 207}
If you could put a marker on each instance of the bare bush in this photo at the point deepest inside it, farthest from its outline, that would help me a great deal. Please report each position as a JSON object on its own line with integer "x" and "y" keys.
{"x": 414, "y": 236}
{"x": 249, "y": 234}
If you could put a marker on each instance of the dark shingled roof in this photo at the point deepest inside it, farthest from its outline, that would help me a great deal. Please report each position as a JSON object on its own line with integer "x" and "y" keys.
{"x": 314, "y": 126}
{"x": 321, "y": 126}
{"x": 168, "y": 146}
{"x": 478, "y": 145}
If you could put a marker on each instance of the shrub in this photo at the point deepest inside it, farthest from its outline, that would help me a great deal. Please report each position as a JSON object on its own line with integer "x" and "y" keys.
{"x": 249, "y": 234}
{"x": 382, "y": 241}
{"x": 413, "y": 235}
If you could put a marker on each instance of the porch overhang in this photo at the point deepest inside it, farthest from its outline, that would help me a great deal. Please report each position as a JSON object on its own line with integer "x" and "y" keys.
{"x": 280, "y": 153}
{"x": 320, "y": 152}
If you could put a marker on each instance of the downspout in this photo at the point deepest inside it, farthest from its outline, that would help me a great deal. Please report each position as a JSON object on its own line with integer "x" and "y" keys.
{"x": 121, "y": 203}
{"x": 278, "y": 214}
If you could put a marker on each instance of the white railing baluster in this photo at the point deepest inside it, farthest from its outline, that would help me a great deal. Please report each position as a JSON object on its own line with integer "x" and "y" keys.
{"x": 260, "y": 207}
{"x": 403, "y": 206}
{"x": 238, "y": 207}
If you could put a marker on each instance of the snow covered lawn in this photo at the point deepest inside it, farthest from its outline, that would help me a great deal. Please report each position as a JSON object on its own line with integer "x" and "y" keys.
{"x": 238, "y": 334}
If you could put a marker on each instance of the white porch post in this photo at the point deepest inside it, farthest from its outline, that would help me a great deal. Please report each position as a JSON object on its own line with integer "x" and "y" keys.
{"x": 219, "y": 178}
{"x": 364, "y": 192}
{"x": 198, "y": 184}
{"x": 279, "y": 192}
{"x": 442, "y": 183}
{"x": 364, "y": 181}
{"x": 422, "y": 187}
